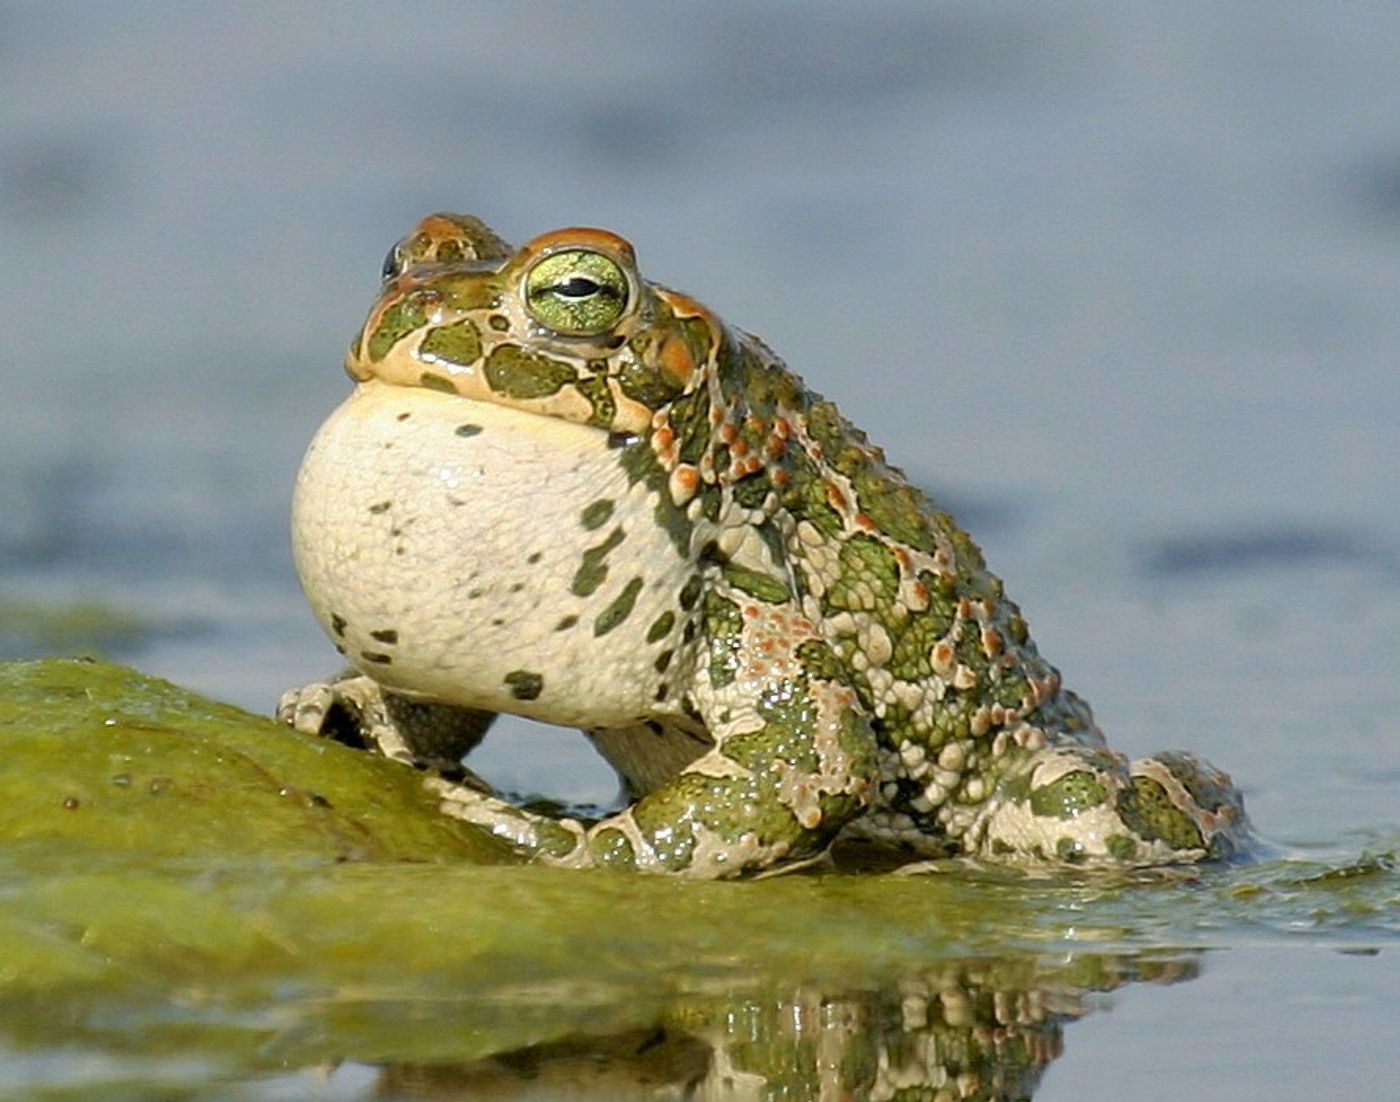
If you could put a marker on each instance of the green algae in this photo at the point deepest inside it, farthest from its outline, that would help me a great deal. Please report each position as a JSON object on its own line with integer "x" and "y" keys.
{"x": 190, "y": 895}
{"x": 104, "y": 759}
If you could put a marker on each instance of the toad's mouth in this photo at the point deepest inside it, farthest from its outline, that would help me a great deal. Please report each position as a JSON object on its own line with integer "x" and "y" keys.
{"x": 552, "y": 389}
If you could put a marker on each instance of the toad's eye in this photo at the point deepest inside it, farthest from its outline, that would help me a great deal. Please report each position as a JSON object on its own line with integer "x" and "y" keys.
{"x": 393, "y": 263}
{"x": 578, "y": 293}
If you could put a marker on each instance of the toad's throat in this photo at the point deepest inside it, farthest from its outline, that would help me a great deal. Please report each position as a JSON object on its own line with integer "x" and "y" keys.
{"x": 472, "y": 553}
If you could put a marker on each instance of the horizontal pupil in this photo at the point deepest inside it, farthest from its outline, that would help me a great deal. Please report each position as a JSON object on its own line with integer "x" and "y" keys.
{"x": 580, "y": 287}
{"x": 576, "y": 287}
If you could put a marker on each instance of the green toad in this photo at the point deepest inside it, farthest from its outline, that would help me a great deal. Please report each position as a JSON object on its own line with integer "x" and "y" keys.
{"x": 564, "y": 492}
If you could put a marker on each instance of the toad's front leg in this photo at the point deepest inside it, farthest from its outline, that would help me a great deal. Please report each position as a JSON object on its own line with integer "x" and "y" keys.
{"x": 357, "y": 711}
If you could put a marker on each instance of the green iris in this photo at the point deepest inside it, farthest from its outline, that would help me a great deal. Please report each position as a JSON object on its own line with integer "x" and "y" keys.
{"x": 577, "y": 293}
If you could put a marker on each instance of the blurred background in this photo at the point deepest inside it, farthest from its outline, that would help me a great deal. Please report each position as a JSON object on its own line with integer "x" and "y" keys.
{"x": 1119, "y": 283}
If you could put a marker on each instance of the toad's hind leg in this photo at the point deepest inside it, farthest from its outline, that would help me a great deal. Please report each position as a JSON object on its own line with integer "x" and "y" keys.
{"x": 1085, "y": 804}
{"x": 792, "y": 758}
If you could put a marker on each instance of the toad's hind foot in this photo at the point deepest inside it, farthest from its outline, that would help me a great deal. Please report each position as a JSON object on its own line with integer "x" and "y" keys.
{"x": 1190, "y": 805}
{"x": 1090, "y": 806}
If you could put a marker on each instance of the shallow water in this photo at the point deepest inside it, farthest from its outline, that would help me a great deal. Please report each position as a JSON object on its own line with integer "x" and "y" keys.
{"x": 1116, "y": 282}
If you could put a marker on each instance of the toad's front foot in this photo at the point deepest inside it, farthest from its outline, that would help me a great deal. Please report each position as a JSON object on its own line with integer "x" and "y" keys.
{"x": 358, "y": 712}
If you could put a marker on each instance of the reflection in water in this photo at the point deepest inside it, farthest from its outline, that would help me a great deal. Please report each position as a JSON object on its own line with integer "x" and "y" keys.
{"x": 972, "y": 1029}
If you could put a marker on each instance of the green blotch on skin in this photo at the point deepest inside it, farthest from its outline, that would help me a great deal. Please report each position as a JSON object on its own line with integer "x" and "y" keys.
{"x": 698, "y": 338}
{"x": 433, "y": 381}
{"x": 596, "y": 514}
{"x": 752, "y": 491}
{"x": 805, "y": 497}
{"x": 519, "y": 374}
{"x": 1148, "y": 810}
{"x": 868, "y": 579}
{"x": 860, "y": 682}
{"x": 898, "y": 510}
{"x": 968, "y": 650}
{"x": 711, "y": 503}
{"x": 467, "y": 430}
{"x": 731, "y": 808}
{"x": 972, "y": 569}
{"x": 1016, "y": 785}
{"x": 620, "y": 608}
{"x": 787, "y": 735}
{"x": 600, "y": 399}
{"x": 690, "y": 592}
{"x": 450, "y": 251}
{"x": 667, "y": 829}
{"x": 1067, "y": 797}
{"x": 612, "y": 850}
{"x": 524, "y": 684}
{"x": 661, "y": 627}
{"x": 554, "y": 840}
{"x": 593, "y": 569}
{"x": 1013, "y": 691}
{"x": 843, "y": 445}
{"x": 471, "y": 238}
{"x": 769, "y": 385}
{"x": 856, "y": 736}
{"x": 763, "y": 587}
{"x": 1121, "y": 846}
{"x": 647, "y": 384}
{"x": 723, "y": 624}
{"x": 913, "y": 643}
{"x": 819, "y": 660}
{"x": 690, "y": 419}
{"x": 1209, "y": 787}
{"x": 395, "y": 323}
{"x": 458, "y": 343}
{"x": 468, "y": 292}
{"x": 749, "y": 379}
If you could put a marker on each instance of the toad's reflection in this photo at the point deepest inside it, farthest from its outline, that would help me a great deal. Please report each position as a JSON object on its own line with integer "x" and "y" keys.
{"x": 974, "y": 1029}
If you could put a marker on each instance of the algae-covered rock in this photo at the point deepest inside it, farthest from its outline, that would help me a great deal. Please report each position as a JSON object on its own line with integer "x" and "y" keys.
{"x": 103, "y": 758}
{"x": 196, "y": 902}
